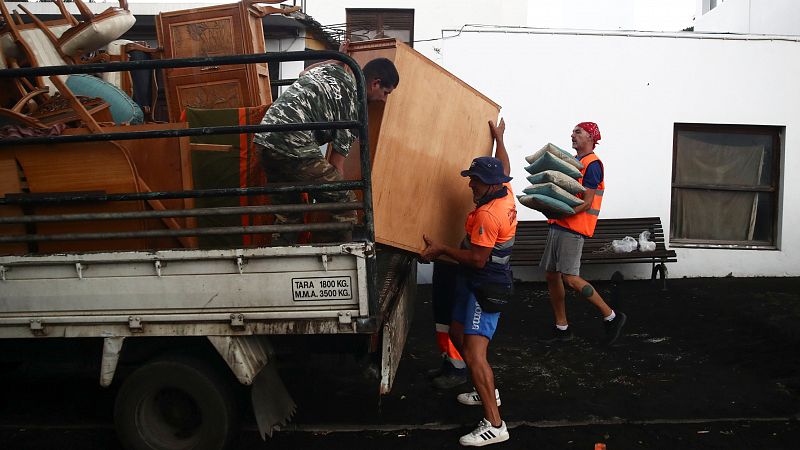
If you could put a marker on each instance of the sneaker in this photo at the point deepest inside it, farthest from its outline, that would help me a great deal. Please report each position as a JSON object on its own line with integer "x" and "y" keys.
{"x": 473, "y": 399}
{"x": 450, "y": 378}
{"x": 485, "y": 434}
{"x": 434, "y": 373}
{"x": 559, "y": 336}
{"x": 614, "y": 328}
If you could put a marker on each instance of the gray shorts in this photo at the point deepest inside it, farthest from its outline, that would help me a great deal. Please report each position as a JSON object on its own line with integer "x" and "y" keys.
{"x": 562, "y": 252}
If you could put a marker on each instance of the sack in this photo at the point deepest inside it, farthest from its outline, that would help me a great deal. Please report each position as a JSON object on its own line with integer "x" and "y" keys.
{"x": 493, "y": 297}
{"x": 548, "y": 206}
{"x": 624, "y": 245}
{"x": 646, "y": 245}
{"x": 557, "y": 152}
{"x": 566, "y": 183}
{"x": 550, "y": 162}
{"x": 553, "y": 191}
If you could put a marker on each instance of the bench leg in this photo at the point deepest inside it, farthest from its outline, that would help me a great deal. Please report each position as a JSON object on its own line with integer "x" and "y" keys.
{"x": 661, "y": 269}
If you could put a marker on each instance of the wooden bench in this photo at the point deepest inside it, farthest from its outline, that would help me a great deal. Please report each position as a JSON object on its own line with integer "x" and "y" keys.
{"x": 532, "y": 235}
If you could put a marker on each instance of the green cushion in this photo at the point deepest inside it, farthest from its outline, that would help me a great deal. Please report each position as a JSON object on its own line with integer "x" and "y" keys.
{"x": 558, "y": 153}
{"x": 566, "y": 183}
{"x": 549, "y": 162}
{"x": 553, "y": 191}
{"x": 123, "y": 109}
{"x": 548, "y": 206}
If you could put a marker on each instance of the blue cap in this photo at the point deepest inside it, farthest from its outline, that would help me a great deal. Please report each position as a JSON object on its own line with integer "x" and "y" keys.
{"x": 487, "y": 169}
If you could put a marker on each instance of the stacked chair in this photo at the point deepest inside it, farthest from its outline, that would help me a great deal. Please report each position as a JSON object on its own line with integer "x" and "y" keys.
{"x": 61, "y": 42}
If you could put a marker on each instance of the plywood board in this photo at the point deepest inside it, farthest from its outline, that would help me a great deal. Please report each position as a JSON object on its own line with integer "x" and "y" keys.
{"x": 431, "y": 128}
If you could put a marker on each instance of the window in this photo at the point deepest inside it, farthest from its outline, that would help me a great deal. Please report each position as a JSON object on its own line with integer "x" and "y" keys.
{"x": 366, "y": 24}
{"x": 725, "y": 186}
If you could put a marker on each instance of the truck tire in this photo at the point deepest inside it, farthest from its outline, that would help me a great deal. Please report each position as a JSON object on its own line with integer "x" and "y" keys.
{"x": 175, "y": 404}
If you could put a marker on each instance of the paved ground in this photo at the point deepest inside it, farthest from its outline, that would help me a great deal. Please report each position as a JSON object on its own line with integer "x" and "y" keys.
{"x": 710, "y": 363}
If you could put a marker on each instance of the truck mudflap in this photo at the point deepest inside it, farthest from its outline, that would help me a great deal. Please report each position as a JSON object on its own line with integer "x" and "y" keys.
{"x": 398, "y": 290}
{"x": 272, "y": 404}
{"x": 251, "y": 360}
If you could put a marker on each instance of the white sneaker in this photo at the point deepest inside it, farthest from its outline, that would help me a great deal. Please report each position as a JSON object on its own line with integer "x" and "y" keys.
{"x": 473, "y": 399}
{"x": 485, "y": 434}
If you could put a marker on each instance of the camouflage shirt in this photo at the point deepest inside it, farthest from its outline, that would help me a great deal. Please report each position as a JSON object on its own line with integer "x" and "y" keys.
{"x": 323, "y": 94}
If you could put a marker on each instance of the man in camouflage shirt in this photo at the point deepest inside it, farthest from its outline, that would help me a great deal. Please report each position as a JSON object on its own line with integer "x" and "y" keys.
{"x": 324, "y": 93}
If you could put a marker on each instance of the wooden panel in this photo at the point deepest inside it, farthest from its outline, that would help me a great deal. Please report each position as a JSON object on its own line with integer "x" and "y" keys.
{"x": 213, "y": 31}
{"x": 10, "y": 184}
{"x": 432, "y": 126}
{"x": 213, "y": 91}
{"x": 162, "y": 164}
{"x": 86, "y": 166}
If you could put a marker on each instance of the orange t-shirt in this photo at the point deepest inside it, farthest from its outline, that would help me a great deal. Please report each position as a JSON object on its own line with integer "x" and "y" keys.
{"x": 494, "y": 222}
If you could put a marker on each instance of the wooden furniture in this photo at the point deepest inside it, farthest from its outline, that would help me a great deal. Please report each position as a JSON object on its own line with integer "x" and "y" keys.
{"x": 10, "y": 183}
{"x": 229, "y": 29}
{"x": 162, "y": 164}
{"x": 228, "y": 161}
{"x": 34, "y": 43}
{"x": 429, "y": 130}
{"x": 55, "y": 110}
{"x": 532, "y": 235}
{"x": 85, "y": 166}
{"x": 111, "y": 167}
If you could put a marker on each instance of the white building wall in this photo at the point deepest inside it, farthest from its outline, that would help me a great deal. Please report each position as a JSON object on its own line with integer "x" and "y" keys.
{"x": 777, "y": 17}
{"x": 636, "y": 87}
{"x": 288, "y": 69}
{"x": 430, "y": 17}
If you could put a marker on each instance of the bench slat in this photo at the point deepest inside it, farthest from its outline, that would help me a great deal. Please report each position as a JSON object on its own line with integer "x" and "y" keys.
{"x": 532, "y": 235}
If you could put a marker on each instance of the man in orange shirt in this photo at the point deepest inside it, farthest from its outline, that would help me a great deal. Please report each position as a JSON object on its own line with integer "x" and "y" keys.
{"x": 483, "y": 282}
{"x": 561, "y": 259}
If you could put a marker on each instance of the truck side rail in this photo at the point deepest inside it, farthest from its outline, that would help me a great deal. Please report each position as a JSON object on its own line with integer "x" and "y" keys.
{"x": 364, "y": 184}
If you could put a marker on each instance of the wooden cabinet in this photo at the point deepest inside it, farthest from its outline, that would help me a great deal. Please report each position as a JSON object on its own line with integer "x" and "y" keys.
{"x": 220, "y": 30}
{"x": 429, "y": 130}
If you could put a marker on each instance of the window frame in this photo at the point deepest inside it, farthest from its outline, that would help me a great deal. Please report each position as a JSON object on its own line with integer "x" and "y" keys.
{"x": 776, "y": 133}
{"x": 379, "y": 14}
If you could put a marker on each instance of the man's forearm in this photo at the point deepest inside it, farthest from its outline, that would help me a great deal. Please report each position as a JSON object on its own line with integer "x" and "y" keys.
{"x": 463, "y": 256}
{"x": 501, "y": 154}
{"x": 337, "y": 160}
{"x": 588, "y": 197}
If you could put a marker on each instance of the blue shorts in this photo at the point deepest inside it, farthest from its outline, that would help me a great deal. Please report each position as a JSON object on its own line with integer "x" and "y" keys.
{"x": 468, "y": 312}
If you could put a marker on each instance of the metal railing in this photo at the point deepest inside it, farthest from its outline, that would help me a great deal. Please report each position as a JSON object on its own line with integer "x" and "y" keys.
{"x": 28, "y": 201}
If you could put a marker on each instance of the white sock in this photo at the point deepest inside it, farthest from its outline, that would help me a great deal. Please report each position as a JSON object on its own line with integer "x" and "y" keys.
{"x": 610, "y": 317}
{"x": 562, "y": 327}
{"x": 457, "y": 363}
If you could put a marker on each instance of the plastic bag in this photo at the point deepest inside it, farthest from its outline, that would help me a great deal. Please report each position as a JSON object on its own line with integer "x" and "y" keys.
{"x": 624, "y": 245}
{"x": 644, "y": 244}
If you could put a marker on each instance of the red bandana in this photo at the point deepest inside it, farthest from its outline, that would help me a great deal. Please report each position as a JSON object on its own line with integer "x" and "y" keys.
{"x": 591, "y": 128}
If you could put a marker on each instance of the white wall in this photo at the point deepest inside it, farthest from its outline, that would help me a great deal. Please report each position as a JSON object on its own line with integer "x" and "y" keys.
{"x": 430, "y": 17}
{"x": 778, "y": 17}
{"x": 288, "y": 69}
{"x": 640, "y": 15}
{"x": 636, "y": 86}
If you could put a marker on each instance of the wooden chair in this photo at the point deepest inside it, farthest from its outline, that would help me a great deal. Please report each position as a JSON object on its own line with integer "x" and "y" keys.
{"x": 96, "y": 31}
{"x": 35, "y": 44}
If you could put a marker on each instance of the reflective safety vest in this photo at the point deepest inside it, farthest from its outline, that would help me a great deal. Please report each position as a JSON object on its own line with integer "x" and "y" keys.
{"x": 585, "y": 222}
{"x": 498, "y": 266}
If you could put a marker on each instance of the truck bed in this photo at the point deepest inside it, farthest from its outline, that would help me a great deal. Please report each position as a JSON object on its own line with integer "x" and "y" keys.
{"x": 270, "y": 290}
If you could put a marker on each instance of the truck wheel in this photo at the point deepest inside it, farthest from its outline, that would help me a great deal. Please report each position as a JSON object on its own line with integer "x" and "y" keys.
{"x": 175, "y": 404}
